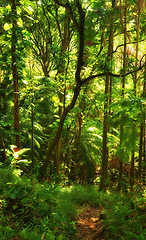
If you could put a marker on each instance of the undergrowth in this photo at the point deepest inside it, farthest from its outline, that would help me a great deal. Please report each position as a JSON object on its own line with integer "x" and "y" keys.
{"x": 34, "y": 211}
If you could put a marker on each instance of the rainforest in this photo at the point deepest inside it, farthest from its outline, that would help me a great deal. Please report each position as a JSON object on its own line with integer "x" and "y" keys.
{"x": 72, "y": 119}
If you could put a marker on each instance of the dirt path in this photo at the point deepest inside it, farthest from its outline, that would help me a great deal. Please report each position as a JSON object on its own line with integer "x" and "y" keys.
{"x": 89, "y": 224}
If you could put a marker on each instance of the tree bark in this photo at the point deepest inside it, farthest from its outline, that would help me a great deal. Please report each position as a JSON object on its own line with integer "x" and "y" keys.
{"x": 32, "y": 132}
{"x": 132, "y": 171}
{"x": 134, "y": 92}
{"x": 144, "y": 134}
{"x": 76, "y": 145}
{"x": 144, "y": 155}
{"x": 15, "y": 73}
{"x": 61, "y": 74}
{"x": 57, "y": 136}
{"x": 123, "y": 89}
{"x": 140, "y": 150}
{"x": 3, "y": 153}
{"x": 104, "y": 163}
{"x": 55, "y": 140}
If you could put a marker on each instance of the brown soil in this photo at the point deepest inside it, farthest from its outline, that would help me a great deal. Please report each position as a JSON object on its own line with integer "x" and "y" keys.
{"x": 89, "y": 224}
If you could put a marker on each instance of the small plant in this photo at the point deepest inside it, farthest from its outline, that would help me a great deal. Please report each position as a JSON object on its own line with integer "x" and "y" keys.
{"x": 124, "y": 220}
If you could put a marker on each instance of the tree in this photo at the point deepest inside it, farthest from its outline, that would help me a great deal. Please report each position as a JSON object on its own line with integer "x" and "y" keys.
{"x": 71, "y": 44}
{"x": 15, "y": 72}
{"x": 123, "y": 92}
{"x": 79, "y": 82}
{"x": 108, "y": 82}
{"x": 134, "y": 91}
{"x": 61, "y": 75}
{"x": 80, "y": 28}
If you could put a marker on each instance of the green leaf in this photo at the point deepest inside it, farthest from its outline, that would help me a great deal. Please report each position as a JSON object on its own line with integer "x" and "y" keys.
{"x": 23, "y": 161}
{"x": 36, "y": 143}
{"x": 97, "y": 4}
{"x": 22, "y": 151}
{"x": 7, "y": 26}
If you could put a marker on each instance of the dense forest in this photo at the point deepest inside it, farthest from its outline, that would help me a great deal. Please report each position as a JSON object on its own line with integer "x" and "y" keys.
{"x": 72, "y": 119}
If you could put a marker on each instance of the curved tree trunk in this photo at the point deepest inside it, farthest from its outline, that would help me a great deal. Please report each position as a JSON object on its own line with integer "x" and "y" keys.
{"x": 61, "y": 74}
{"x": 80, "y": 28}
{"x": 57, "y": 136}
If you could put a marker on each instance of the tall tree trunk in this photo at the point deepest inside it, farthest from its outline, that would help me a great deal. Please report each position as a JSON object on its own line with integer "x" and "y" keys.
{"x": 55, "y": 140}
{"x": 140, "y": 150}
{"x": 61, "y": 75}
{"x": 132, "y": 171}
{"x": 144, "y": 133}
{"x": 3, "y": 150}
{"x": 106, "y": 112}
{"x": 144, "y": 155}
{"x": 123, "y": 89}
{"x": 134, "y": 91}
{"x": 76, "y": 146}
{"x": 104, "y": 143}
{"x": 32, "y": 132}
{"x": 142, "y": 137}
{"x": 3, "y": 111}
{"x": 32, "y": 116}
{"x": 15, "y": 73}
{"x": 57, "y": 136}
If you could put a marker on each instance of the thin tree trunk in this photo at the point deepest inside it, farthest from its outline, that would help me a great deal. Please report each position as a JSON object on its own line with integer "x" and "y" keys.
{"x": 32, "y": 116}
{"x": 120, "y": 161}
{"x": 144, "y": 133}
{"x": 123, "y": 89}
{"x": 132, "y": 171}
{"x": 76, "y": 144}
{"x": 104, "y": 143}
{"x": 32, "y": 132}
{"x": 134, "y": 91}
{"x": 57, "y": 136}
{"x": 2, "y": 144}
{"x": 61, "y": 73}
{"x": 142, "y": 136}
{"x": 144, "y": 155}
{"x": 140, "y": 150}
{"x": 55, "y": 140}
{"x": 15, "y": 74}
{"x": 106, "y": 113}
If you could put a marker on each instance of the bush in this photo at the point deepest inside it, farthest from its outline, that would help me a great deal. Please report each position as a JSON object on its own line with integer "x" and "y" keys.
{"x": 124, "y": 219}
{"x": 31, "y": 210}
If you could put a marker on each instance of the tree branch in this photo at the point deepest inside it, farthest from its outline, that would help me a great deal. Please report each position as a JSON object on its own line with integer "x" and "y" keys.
{"x": 68, "y": 8}
{"x": 81, "y": 42}
{"x": 60, "y": 34}
{"x": 121, "y": 45}
{"x": 111, "y": 74}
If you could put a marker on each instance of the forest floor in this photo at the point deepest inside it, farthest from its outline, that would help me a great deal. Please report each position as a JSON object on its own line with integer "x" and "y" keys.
{"x": 89, "y": 224}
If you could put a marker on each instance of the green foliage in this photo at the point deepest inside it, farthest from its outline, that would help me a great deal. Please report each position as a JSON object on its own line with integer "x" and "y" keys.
{"x": 124, "y": 217}
{"x": 46, "y": 75}
{"x": 129, "y": 113}
{"x": 128, "y": 110}
{"x": 32, "y": 210}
